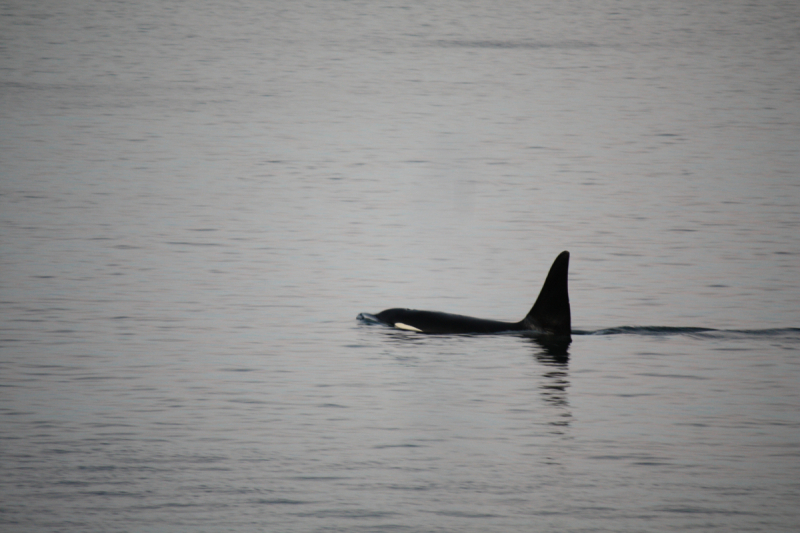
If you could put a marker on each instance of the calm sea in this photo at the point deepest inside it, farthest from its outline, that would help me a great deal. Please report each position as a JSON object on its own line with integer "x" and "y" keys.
{"x": 197, "y": 198}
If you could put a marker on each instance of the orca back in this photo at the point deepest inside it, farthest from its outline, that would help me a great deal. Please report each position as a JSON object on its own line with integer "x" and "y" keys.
{"x": 550, "y": 314}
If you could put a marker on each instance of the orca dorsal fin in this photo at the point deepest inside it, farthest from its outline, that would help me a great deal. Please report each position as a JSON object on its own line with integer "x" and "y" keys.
{"x": 551, "y": 313}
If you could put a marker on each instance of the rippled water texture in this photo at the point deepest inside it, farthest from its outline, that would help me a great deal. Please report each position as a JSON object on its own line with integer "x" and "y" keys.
{"x": 198, "y": 198}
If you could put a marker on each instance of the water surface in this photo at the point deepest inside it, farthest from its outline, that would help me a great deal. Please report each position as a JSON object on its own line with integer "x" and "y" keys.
{"x": 197, "y": 199}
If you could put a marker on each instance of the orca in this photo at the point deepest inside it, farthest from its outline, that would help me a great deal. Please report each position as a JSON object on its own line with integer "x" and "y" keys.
{"x": 549, "y": 315}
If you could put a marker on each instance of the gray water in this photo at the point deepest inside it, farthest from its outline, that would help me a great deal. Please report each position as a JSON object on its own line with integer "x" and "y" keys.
{"x": 198, "y": 198}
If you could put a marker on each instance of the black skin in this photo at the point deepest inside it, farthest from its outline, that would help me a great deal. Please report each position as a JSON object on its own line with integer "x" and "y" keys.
{"x": 436, "y": 322}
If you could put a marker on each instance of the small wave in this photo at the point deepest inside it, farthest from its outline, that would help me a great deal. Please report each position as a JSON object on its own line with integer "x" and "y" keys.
{"x": 695, "y": 332}
{"x": 368, "y": 318}
{"x": 511, "y": 44}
